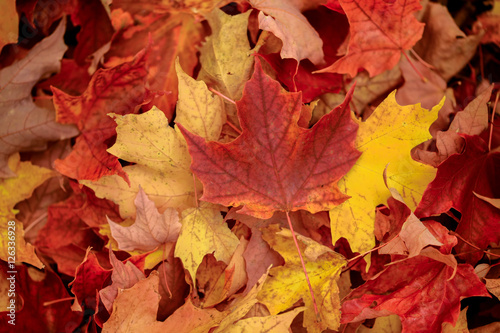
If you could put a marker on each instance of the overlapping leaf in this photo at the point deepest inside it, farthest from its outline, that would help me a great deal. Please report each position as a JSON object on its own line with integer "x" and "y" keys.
{"x": 386, "y": 139}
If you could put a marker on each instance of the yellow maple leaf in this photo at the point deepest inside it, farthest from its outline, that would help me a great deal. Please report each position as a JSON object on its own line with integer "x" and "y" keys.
{"x": 204, "y": 231}
{"x": 13, "y": 190}
{"x": 198, "y": 110}
{"x": 226, "y": 60}
{"x": 287, "y": 285}
{"x": 276, "y": 323}
{"x": 162, "y": 168}
{"x": 385, "y": 139}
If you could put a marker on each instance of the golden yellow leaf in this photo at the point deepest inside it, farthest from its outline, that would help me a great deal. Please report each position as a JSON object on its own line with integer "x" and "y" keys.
{"x": 287, "y": 284}
{"x": 204, "y": 231}
{"x": 13, "y": 190}
{"x": 269, "y": 324}
{"x": 162, "y": 168}
{"x": 386, "y": 138}
{"x": 198, "y": 110}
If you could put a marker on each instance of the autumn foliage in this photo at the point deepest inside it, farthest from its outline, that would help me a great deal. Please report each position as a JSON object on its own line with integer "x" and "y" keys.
{"x": 254, "y": 166}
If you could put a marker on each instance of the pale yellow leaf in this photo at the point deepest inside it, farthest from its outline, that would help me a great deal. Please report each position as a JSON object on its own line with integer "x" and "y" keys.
{"x": 198, "y": 110}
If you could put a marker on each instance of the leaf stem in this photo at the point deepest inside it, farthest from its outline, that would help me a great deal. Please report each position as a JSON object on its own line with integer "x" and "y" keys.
{"x": 303, "y": 267}
{"x": 58, "y": 300}
{"x": 369, "y": 251}
{"x": 453, "y": 233}
{"x": 221, "y": 95}
{"x": 195, "y": 192}
{"x": 492, "y": 118}
{"x": 165, "y": 269}
{"x": 422, "y": 61}
{"x": 234, "y": 127}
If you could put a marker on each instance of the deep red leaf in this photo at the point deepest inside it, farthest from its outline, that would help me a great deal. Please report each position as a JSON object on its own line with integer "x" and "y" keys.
{"x": 457, "y": 179}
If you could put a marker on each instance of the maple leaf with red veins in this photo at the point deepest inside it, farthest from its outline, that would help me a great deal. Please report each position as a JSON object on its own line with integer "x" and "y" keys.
{"x": 311, "y": 85}
{"x": 119, "y": 90}
{"x": 457, "y": 179}
{"x": 423, "y": 292}
{"x": 90, "y": 277}
{"x": 418, "y": 291}
{"x": 275, "y": 165}
{"x": 380, "y": 31}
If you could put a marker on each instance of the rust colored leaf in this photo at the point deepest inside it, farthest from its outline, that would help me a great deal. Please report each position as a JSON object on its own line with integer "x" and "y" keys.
{"x": 119, "y": 90}
{"x": 274, "y": 164}
{"x": 380, "y": 31}
{"x": 457, "y": 179}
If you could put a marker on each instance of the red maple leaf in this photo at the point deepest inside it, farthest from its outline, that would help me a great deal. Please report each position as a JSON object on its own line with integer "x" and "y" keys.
{"x": 423, "y": 292}
{"x": 90, "y": 277}
{"x": 119, "y": 90}
{"x": 457, "y": 179}
{"x": 275, "y": 164}
{"x": 380, "y": 31}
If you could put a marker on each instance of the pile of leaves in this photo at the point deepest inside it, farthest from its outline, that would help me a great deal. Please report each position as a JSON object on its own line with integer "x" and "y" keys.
{"x": 260, "y": 166}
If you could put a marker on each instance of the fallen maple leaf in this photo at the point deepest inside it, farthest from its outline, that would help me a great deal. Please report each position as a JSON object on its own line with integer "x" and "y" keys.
{"x": 385, "y": 138}
{"x": 380, "y": 31}
{"x": 286, "y": 284}
{"x": 457, "y": 179}
{"x": 14, "y": 190}
{"x": 150, "y": 228}
{"x": 124, "y": 276}
{"x": 231, "y": 280}
{"x": 285, "y": 21}
{"x": 419, "y": 290}
{"x": 276, "y": 323}
{"x": 42, "y": 301}
{"x": 198, "y": 110}
{"x": 162, "y": 168}
{"x": 173, "y": 33}
{"x": 412, "y": 238}
{"x": 90, "y": 277}
{"x": 225, "y": 57}
{"x": 274, "y": 164}
{"x": 26, "y": 126}
{"x": 299, "y": 77}
{"x": 203, "y": 231}
{"x": 119, "y": 89}
{"x": 95, "y": 24}
{"x": 447, "y": 48}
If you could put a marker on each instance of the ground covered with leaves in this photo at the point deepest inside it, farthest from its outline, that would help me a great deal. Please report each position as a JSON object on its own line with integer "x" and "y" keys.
{"x": 261, "y": 166}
